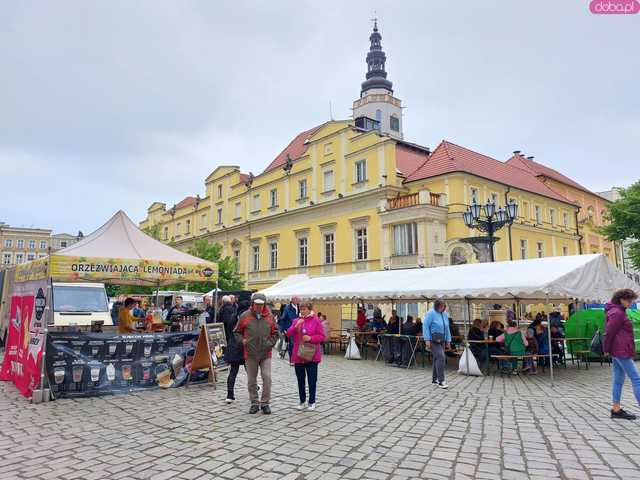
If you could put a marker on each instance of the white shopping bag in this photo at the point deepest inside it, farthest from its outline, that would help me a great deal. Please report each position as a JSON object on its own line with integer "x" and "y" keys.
{"x": 468, "y": 364}
{"x": 353, "y": 353}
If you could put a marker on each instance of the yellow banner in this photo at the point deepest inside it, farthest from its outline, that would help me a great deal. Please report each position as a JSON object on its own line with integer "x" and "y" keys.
{"x": 64, "y": 268}
{"x": 33, "y": 270}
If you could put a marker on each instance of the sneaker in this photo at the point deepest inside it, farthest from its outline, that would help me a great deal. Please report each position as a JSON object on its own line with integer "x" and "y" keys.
{"x": 623, "y": 415}
{"x": 312, "y": 407}
{"x": 254, "y": 409}
{"x": 301, "y": 406}
{"x": 434, "y": 383}
{"x": 443, "y": 385}
{"x": 230, "y": 400}
{"x": 266, "y": 409}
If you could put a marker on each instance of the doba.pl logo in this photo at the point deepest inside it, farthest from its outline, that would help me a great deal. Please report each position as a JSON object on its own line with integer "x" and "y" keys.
{"x": 614, "y": 7}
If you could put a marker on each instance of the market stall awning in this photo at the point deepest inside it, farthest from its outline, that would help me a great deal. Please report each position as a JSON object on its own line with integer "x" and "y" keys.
{"x": 120, "y": 253}
{"x": 580, "y": 277}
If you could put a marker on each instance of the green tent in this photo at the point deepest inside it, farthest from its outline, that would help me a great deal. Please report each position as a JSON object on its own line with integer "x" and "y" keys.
{"x": 584, "y": 323}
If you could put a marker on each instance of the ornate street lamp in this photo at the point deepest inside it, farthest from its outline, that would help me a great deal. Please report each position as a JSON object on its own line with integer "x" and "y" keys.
{"x": 492, "y": 220}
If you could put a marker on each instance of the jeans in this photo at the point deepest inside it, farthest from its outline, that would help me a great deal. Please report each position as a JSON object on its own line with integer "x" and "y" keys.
{"x": 252, "y": 365}
{"x": 310, "y": 369}
{"x": 437, "y": 352}
{"x": 622, "y": 367}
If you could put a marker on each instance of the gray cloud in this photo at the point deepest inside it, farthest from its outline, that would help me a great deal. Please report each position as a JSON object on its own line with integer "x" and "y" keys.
{"x": 117, "y": 104}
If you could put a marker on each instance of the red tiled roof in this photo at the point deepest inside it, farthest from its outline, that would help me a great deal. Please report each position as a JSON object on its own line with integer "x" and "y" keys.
{"x": 295, "y": 149}
{"x": 449, "y": 158}
{"x": 538, "y": 169}
{"x": 408, "y": 159}
{"x": 186, "y": 202}
{"x": 244, "y": 177}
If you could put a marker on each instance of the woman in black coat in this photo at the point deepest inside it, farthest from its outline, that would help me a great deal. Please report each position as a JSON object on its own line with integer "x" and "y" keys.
{"x": 233, "y": 354}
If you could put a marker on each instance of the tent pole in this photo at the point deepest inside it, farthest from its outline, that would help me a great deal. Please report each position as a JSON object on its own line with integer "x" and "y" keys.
{"x": 550, "y": 348}
{"x": 158, "y": 295}
{"x": 467, "y": 318}
{"x": 215, "y": 305}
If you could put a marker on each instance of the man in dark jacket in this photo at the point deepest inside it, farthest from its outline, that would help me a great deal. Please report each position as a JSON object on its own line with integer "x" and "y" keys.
{"x": 233, "y": 354}
{"x": 289, "y": 313}
{"x": 257, "y": 331}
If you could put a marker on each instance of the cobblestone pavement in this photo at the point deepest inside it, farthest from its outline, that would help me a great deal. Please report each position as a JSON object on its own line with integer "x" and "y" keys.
{"x": 372, "y": 422}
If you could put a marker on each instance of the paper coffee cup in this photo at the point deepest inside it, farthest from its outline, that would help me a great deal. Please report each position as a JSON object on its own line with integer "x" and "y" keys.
{"x": 58, "y": 375}
{"x": 111, "y": 372}
{"x": 95, "y": 374}
{"x": 77, "y": 373}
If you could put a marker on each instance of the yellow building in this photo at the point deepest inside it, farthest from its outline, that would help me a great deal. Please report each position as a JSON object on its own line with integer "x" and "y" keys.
{"x": 352, "y": 195}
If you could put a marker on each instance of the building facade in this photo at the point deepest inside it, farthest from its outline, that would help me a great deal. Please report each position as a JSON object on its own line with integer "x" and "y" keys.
{"x": 63, "y": 240}
{"x": 20, "y": 245}
{"x": 353, "y": 195}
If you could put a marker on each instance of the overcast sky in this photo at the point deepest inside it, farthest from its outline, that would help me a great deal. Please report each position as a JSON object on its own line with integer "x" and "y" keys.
{"x": 113, "y": 105}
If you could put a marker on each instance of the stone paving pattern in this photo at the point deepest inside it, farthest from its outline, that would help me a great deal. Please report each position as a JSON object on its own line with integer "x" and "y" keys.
{"x": 372, "y": 422}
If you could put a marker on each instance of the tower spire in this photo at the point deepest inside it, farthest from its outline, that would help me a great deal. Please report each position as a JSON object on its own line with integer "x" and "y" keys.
{"x": 376, "y": 76}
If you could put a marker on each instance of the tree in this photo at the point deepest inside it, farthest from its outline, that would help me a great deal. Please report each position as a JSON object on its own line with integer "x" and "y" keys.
{"x": 228, "y": 278}
{"x": 153, "y": 231}
{"x": 624, "y": 218}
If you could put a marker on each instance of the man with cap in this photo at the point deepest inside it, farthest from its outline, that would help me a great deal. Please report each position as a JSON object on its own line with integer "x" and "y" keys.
{"x": 258, "y": 333}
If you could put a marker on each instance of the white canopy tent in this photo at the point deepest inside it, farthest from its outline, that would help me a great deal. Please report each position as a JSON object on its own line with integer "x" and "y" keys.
{"x": 587, "y": 278}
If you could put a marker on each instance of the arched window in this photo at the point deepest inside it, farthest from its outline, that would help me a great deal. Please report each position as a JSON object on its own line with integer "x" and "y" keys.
{"x": 378, "y": 115}
{"x": 458, "y": 256}
{"x": 394, "y": 123}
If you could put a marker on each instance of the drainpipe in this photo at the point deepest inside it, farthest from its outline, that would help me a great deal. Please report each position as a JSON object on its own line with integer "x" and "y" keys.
{"x": 580, "y": 237}
{"x": 506, "y": 202}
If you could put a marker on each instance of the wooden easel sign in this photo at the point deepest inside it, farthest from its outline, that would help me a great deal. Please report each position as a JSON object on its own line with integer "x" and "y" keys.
{"x": 211, "y": 339}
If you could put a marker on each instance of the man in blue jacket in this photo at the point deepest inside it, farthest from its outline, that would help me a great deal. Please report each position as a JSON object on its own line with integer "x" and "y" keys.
{"x": 289, "y": 314}
{"x": 437, "y": 337}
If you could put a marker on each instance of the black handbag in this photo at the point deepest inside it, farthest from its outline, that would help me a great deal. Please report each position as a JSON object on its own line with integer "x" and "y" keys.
{"x": 597, "y": 343}
{"x": 437, "y": 337}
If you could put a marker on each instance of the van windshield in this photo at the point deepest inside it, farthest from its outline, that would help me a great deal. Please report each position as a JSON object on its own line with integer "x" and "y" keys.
{"x": 79, "y": 299}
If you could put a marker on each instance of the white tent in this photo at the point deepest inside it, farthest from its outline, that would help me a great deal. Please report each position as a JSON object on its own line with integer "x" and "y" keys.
{"x": 589, "y": 278}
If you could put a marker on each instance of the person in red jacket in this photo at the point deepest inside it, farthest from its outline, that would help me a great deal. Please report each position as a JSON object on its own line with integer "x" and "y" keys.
{"x": 620, "y": 345}
{"x": 258, "y": 332}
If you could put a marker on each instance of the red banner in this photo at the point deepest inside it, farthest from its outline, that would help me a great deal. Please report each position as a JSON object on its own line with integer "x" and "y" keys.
{"x": 25, "y": 338}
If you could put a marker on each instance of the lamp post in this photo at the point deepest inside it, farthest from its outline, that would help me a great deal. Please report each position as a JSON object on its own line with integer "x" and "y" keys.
{"x": 487, "y": 218}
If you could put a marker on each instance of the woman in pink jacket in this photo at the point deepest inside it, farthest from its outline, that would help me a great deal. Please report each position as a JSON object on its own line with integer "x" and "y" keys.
{"x": 306, "y": 329}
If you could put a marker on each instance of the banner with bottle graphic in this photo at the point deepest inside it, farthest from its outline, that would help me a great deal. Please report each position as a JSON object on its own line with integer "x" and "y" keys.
{"x": 81, "y": 364}
{"x": 25, "y": 335}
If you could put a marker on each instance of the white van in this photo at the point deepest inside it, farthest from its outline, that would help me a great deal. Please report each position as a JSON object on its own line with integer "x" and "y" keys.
{"x": 80, "y": 304}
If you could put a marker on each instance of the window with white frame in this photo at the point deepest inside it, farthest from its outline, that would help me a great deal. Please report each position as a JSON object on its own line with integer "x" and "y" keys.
{"x": 236, "y": 259}
{"x": 6, "y": 259}
{"x": 565, "y": 219}
{"x": 255, "y": 206}
{"x": 32, "y": 244}
{"x": 565, "y": 251}
{"x": 166, "y": 234}
{"x": 273, "y": 197}
{"x": 494, "y": 197}
{"x": 219, "y": 216}
{"x": 256, "y": 258}
{"x": 405, "y": 239}
{"x": 238, "y": 210}
{"x": 540, "y": 249}
{"x": 538, "y": 213}
{"x": 8, "y": 243}
{"x": 329, "y": 248}
{"x": 523, "y": 249}
{"x": 474, "y": 195}
{"x": 188, "y": 226}
{"x": 19, "y": 258}
{"x": 64, "y": 243}
{"x": 552, "y": 216}
{"x": 328, "y": 148}
{"x": 361, "y": 171}
{"x": 178, "y": 227}
{"x": 203, "y": 221}
{"x": 19, "y": 243}
{"x": 273, "y": 255}
{"x": 361, "y": 244}
{"x": 524, "y": 213}
{"x": 31, "y": 257}
{"x": 303, "y": 252}
{"x": 219, "y": 191}
{"x": 43, "y": 244}
{"x": 302, "y": 188}
{"x": 328, "y": 180}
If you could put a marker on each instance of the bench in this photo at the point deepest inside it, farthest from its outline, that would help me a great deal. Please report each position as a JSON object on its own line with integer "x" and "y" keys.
{"x": 585, "y": 355}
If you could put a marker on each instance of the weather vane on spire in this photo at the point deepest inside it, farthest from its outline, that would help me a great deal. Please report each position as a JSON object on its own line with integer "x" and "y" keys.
{"x": 374, "y": 20}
